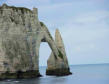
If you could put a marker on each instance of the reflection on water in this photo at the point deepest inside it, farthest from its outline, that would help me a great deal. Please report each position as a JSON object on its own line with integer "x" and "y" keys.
{"x": 83, "y": 74}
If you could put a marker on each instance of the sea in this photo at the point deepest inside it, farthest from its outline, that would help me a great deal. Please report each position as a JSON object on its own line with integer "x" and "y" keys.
{"x": 82, "y": 74}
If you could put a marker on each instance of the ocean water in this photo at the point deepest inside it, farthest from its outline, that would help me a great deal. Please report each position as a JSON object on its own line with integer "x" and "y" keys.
{"x": 82, "y": 74}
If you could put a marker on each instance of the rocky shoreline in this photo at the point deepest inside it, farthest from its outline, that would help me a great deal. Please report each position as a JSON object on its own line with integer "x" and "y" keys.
{"x": 58, "y": 72}
{"x": 20, "y": 75}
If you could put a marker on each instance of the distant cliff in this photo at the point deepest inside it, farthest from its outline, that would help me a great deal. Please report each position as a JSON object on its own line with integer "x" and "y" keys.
{"x": 20, "y": 36}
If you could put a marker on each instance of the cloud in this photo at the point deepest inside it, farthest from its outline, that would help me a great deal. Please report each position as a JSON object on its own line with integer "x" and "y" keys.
{"x": 92, "y": 46}
{"x": 78, "y": 48}
{"x": 92, "y": 17}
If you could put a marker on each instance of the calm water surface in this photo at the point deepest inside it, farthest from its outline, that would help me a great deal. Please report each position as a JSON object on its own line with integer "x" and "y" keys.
{"x": 82, "y": 74}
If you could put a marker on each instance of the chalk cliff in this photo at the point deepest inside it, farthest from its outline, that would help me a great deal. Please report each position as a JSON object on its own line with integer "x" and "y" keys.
{"x": 20, "y": 36}
{"x": 60, "y": 65}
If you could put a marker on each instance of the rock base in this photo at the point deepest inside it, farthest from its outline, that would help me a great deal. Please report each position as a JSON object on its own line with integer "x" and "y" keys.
{"x": 20, "y": 75}
{"x": 58, "y": 72}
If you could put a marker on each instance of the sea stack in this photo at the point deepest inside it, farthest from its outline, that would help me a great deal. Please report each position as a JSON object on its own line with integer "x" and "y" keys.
{"x": 21, "y": 34}
{"x": 59, "y": 66}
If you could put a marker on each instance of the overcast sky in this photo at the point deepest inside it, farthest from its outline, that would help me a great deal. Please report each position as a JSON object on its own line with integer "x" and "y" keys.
{"x": 84, "y": 26}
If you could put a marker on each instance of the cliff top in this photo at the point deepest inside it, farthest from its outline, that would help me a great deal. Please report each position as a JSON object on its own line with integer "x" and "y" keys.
{"x": 5, "y": 6}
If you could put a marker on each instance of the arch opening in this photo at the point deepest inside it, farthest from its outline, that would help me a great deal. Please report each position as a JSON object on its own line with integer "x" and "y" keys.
{"x": 44, "y": 53}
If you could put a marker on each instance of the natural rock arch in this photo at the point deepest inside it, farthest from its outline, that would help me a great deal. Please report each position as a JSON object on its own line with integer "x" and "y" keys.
{"x": 57, "y": 62}
{"x": 45, "y": 36}
{"x": 20, "y": 36}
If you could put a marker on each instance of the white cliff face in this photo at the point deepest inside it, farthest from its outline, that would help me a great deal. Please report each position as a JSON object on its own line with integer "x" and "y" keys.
{"x": 20, "y": 36}
{"x": 18, "y": 31}
{"x": 60, "y": 65}
{"x": 60, "y": 45}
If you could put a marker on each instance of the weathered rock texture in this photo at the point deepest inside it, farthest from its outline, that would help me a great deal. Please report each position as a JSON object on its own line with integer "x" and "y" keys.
{"x": 60, "y": 65}
{"x": 20, "y": 36}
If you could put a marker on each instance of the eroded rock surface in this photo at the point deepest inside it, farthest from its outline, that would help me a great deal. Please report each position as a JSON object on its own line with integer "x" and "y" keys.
{"x": 20, "y": 36}
{"x": 60, "y": 65}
